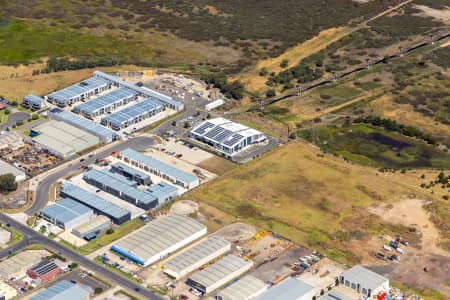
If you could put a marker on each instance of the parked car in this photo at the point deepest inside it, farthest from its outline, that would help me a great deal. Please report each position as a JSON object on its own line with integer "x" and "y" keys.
{"x": 387, "y": 248}
{"x": 400, "y": 250}
{"x": 393, "y": 244}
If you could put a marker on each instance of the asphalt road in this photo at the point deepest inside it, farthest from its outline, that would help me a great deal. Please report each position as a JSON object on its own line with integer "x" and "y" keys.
{"x": 13, "y": 118}
{"x": 33, "y": 237}
{"x": 42, "y": 191}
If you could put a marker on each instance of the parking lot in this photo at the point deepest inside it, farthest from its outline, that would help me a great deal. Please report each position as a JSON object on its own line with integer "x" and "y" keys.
{"x": 184, "y": 151}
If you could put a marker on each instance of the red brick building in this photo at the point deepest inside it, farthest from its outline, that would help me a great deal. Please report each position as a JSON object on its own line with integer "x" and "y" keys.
{"x": 44, "y": 271}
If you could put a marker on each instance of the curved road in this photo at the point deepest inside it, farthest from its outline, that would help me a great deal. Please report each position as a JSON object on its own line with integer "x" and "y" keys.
{"x": 13, "y": 118}
{"x": 33, "y": 237}
{"x": 43, "y": 188}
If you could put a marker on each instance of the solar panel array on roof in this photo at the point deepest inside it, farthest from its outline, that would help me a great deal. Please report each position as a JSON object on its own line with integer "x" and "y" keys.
{"x": 225, "y": 135}
{"x": 133, "y": 114}
{"x": 62, "y": 290}
{"x": 44, "y": 267}
{"x": 105, "y": 103}
{"x": 104, "y": 134}
{"x": 108, "y": 182}
{"x": 188, "y": 260}
{"x": 159, "y": 168}
{"x": 116, "y": 213}
{"x": 78, "y": 91}
{"x": 166, "y": 233}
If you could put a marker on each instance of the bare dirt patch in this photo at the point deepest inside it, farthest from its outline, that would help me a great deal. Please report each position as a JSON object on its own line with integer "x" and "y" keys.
{"x": 184, "y": 207}
{"x": 237, "y": 232}
{"x": 440, "y": 14}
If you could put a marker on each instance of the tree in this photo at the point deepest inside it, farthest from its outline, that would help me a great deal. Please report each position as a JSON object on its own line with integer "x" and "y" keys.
{"x": 186, "y": 125}
{"x": 284, "y": 63}
{"x": 98, "y": 290}
{"x": 110, "y": 231}
{"x": 270, "y": 93}
{"x": 174, "y": 123}
{"x": 8, "y": 183}
{"x": 19, "y": 123}
{"x": 7, "y": 111}
{"x": 263, "y": 72}
{"x": 73, "y": 265}
{"x": 34, "y": 116}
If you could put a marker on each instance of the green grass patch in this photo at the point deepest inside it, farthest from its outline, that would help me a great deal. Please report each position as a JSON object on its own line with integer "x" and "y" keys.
{"x": 160, "y": 122}
{"x": 120, "y": 272}
{"x": 257, "y": 127}
{"x": 375, "y": 147}
{"x": 16, "y": 236}
{"x": 3, "y": 117}
{"x": 339, "y": 91}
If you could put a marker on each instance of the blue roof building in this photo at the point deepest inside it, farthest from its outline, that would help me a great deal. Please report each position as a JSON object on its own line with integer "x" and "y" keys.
{"x": 64, "y": 290}
{"x": 105, "y": 103}
{"x": 100, "y": 206}
{"x": 79, "y": 91}
{"x": 108, "y": 182}
{"x": 33, "y": 102}
{"x": 163, "y": 192}
{"x": 131, "y": 173}
{"x": 67, "y": 213}
{"x": 156, "y": 167}
{"x": 104, "y": 134}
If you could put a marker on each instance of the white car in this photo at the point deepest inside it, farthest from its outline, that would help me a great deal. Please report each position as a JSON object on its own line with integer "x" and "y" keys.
{"x": 387, "y": 248}
{"x": 195, "y": 292}
{"x": 400, "y": 250}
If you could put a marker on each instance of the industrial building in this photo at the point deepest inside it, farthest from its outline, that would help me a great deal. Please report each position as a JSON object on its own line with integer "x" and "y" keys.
{"x": 158, "y": 168}
{"x": 79, "y": 92}
{"x": 289, "y": 289}
{"x": 364, "y": 281}
{"x": 67, "y": 213}
{"x": 6, "y": 291}
{"x": 62, "y": 139}
{"x": 333, "y": 295}
{"x": 226, "y": 136}
{"x": 197, "y": 256}
{"x": 17, "y": 265}
{"x": 6, "y": 168}
{"x": 163, "y": 192}
{"x": 105, "y": 103}
{"x": 44, "y": 271}
{"x": 219, "y": 273}
{"x": 93, "y": 228}
{"x": 142, "y": 91}
{"x": 214, "y": 104}
{"x": 66, "y": 290}
{"x": 131, "y": 173}
{"x": 104, "y": 134}
{"x": 131, "y": 115}
{"x": 159, "y": 238}
{"x": 11, "y": 139}
{"x": 100, "y": 206}
{"x": 246, "y": 288}
{"x": 113, "y": 184}
{"x": 33, "y": 102}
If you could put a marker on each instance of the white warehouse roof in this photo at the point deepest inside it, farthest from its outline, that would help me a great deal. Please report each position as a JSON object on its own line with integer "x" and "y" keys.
{"x": 154, "y": 240}
{"x": 245, "y": 288}
{"x": 365, "y": 277}
{"x": 6, "y": 168}
{"x": 288, "y": 289}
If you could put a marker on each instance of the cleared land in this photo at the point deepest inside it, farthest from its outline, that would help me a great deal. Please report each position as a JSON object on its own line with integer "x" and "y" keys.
{"x": 294, "y": 188}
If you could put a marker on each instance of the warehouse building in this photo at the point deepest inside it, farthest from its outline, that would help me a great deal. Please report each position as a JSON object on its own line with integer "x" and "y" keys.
{"x": 142, "y": 91}
{"x": 64, "y": 290}
{"x": 364, "y": 281}
{"x": 109, "y": 182}
{"x": 17, "y": 265}
{"x": 104, "y": 134}
{"x": 163, "y": 192}
{"x": 100, "y": 206}
{"x": 197, "y": 256}
{"x": 67, "y": 213}
{"x": 105, "y": 103}
{"x": 33, "y": 102}
{"x": 131, "y": 173}
{"x": 246, "y": 288}
{"x": 158, "y": 168}
{"x": 6, "y": 168}
{"x": 7, "y": 292}
{"x": 131, "y": 115}
{"x": 219, "y": 273}
{"x": 79, "y": 92}
{"x": 159, "y": 239}
{"x": 93, "y": 228}
{"x": 44, "y": 271}
{"x": 62, "y": 139}
{"x": 333, "y": 295}
{"x": 226, "y": 136}
{"x": 11, "y": 139}
{"x": 289, "y": 289}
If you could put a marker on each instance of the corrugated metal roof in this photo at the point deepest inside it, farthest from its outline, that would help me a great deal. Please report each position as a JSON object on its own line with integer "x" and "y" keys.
{"x": 94, "y": 201}
{"x": 334, "y": 296}
{"x": 162, "y": 190}
{"x": 244, "y": 288}
{"x": 288, "y": 289}
{"x": 97, "y": 222}
{"x": 159, "y": 235}
{"x": 159, "y": 165}
{"x": 127, "y": 169}
{"x": 33, "y": 99}
{"x": 219, "y": 270}
{"x": 66, "y": 210}
{"x": 6, "y": 168}
{"x": 105, "y": 100}
{"x": 62, "y": 290}
{"x": 365, "y": 277}
{"x": 200, "y": 251}
{"x": 78, "y": 89}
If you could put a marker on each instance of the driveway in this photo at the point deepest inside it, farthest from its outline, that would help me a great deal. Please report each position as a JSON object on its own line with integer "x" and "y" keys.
{"x": 13, "y": 118}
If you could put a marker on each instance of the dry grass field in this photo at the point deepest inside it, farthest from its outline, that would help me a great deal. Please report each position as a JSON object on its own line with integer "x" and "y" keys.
{"x": 293, "y": 189}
